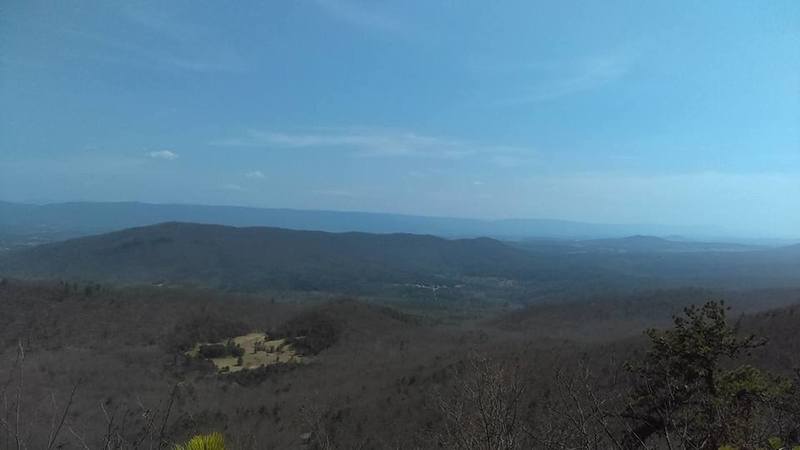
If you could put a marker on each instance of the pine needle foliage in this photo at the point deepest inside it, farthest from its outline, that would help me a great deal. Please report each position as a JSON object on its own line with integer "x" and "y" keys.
{"x": 213, "y": 441}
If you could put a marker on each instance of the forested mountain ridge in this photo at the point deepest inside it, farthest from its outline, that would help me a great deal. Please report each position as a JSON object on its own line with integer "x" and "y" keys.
{"x": 223, "y": 256}
{"x": 257, "y": 258}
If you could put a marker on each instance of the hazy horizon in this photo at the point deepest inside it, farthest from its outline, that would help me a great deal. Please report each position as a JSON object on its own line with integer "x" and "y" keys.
{"x": 677, "y": 113}
{"x": 619, "y": 230}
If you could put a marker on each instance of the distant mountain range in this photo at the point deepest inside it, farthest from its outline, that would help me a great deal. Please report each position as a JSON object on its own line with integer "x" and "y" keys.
{"x": 84, "y": 218}
{"x": 651, "y": 244}
{"x": 260, "y": 257}
{"x": 265, "y": 258}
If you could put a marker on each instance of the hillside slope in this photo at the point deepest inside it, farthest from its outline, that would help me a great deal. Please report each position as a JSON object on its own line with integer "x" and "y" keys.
{"x": 259, "y": 258}
{"x": 252, "y": 258}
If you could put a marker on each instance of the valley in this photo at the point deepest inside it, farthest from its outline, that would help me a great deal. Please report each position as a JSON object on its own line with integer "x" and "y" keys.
{"x": 277, "y": 337}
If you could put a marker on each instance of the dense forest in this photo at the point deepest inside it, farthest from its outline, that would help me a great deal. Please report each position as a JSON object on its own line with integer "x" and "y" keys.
{"x": 255, "y": 259}
{"x": 97, "y": 366}
{"x": 273, "y": 338}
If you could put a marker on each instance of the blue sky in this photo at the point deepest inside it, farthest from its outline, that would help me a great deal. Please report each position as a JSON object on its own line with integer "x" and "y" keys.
{"x": 604, "y": 111}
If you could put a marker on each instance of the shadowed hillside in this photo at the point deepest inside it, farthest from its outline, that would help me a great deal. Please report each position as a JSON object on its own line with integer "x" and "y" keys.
{"x": 260, "y": 258}
{"x": 252, "y": 258}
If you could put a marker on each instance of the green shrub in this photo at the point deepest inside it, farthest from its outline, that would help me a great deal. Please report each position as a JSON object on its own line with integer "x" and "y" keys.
{"x": 692, "y": 387}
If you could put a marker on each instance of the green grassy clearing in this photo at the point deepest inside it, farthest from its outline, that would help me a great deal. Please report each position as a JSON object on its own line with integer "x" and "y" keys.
{"x": 259, "y": 351}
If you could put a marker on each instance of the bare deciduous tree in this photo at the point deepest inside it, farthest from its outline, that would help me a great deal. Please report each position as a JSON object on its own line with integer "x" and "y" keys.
{"x": 319, "y": 435}
{"x": 578, "y": 413}
{"x": 482, "y": 410}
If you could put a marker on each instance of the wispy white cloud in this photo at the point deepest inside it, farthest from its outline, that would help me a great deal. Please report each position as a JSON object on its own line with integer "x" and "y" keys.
{"x": 377, "y": 143}
{"x": 161, "y": 42}
{"x": 427, "y": 172}
{"x": 508, "y": 161}
{"x": 168, "y": 155}
{"x": 363, "y": 15}
{"x": 564, "y": 79}
{"x": 232, "y": 187}
{"x": 255, "y": 174}
{"x": 159, "y": 21}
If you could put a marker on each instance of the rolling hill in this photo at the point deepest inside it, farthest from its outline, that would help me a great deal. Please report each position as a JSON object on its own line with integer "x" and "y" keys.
{"x": 260, "y": 257}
